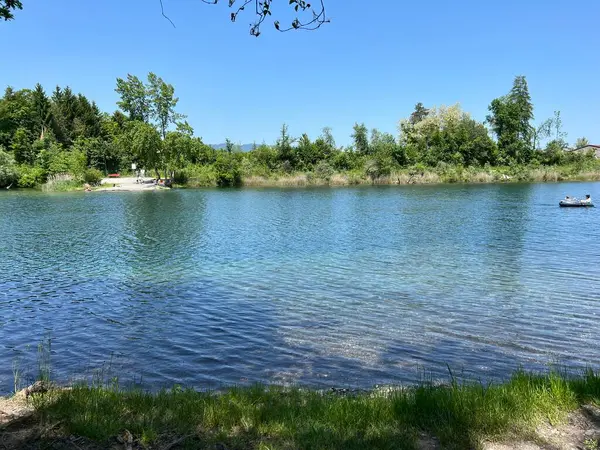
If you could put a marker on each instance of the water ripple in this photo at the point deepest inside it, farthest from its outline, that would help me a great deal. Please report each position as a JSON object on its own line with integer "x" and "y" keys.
{"x": 324, "y": 287}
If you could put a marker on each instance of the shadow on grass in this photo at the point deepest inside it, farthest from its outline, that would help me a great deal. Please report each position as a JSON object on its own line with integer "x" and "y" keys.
{"x": 259, "y": 417}
{"x": 30, "y": 433}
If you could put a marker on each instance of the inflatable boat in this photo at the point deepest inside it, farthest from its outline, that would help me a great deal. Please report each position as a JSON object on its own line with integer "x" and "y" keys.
{"x": 574, "y": 203}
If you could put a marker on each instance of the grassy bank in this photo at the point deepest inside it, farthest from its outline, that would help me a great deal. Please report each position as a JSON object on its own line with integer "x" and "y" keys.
{"x": 443, "y": 174}
{"x": 456, "y": 415}
{"x": 62, "y": 183}
{"x": 206, "y": 176}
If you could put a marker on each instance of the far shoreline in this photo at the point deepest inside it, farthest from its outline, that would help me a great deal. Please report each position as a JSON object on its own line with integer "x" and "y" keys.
{"x": 338, "y": 180}
{"x": 306, "y": 180}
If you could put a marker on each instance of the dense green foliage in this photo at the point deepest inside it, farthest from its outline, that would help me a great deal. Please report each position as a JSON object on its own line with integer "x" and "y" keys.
{"x": 66, "y": 134}
{"x": 460, "y": 415}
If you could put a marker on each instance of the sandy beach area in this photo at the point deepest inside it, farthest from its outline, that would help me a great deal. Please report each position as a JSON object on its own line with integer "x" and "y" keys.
{"x": 128, "y": 184}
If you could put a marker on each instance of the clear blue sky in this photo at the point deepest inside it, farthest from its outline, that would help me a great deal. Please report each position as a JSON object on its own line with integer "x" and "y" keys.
{"x": 371, "y": 64}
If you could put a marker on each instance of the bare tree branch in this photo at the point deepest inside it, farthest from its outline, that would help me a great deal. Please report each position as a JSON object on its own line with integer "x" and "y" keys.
{"x": 162, "y": 10}
{"x": 262, "y": 9}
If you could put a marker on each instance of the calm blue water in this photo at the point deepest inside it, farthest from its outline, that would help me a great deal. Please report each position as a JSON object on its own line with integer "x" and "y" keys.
{"x": 323, "y": 287}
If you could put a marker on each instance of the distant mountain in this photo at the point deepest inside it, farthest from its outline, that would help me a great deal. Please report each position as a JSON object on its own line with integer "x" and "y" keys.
{"x": 244, "y": 148}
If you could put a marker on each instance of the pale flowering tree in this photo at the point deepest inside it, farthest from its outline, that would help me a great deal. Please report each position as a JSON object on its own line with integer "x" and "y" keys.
{"x": 437, "y": 119}
{"x": 446, "y": 134}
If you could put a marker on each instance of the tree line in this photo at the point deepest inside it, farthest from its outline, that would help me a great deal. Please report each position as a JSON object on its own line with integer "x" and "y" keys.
{"x": 65, "y": 134}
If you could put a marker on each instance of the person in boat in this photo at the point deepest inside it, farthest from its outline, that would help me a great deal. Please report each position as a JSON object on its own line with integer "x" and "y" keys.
{"x": 587, "y": 199}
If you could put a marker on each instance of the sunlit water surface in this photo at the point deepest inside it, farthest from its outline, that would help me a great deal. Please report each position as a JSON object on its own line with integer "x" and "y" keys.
{"x": 324, "y": 287}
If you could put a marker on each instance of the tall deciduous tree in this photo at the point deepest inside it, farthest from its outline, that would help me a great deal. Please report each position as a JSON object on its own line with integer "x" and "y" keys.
{"x": 543, "y": 131}
{"x": 557, "y": 126}
{"x": 306, "y": 152}
{"x": 178, "y": 148}
{"x": 229, "y": 146}
{"x": 135, "y": 98}
{"x": 16, "y": 111}
{"x": 328, "y": 138}
{"x": 22, "y": 148}
{"x": 360, "y": 137}
{"x": 146, "y": 146}
{"x": 162, "y": 97}
{"x": 185, "y": 128}
{"x": 447, "y": 134}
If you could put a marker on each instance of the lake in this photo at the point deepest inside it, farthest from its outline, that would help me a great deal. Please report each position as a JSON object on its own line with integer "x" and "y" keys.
{"x": 346, "y": 287}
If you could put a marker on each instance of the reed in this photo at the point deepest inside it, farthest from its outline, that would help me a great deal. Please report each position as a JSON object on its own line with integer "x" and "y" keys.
{"x": 61, "y": 183}
{"x": 546, "y": 174}
{"x": 443, "y": 173}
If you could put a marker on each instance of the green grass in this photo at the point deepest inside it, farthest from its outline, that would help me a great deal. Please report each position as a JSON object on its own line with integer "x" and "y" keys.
{"x": 196, "y": 176}
{"x": 259, "y": 417}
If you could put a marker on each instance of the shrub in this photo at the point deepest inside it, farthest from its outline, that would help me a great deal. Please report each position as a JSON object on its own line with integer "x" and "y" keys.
{"x": 201, "y": 176}
{"x": 31, "y": 176}
{"x": 60, "y": 183}
{"x": 248, "y": 168}
{"x": 228, "y": 170}
{"x": 181, "y": 176}
{"x": 453, "y": 174}
{"x": 286, "y": 166}
{"x": 21, "y": 146}
{"x": 58, "y": 161}
{"x": 264, "y": 156}
{"x": 355, "y": 177}
{"x": 324, "y": 170}
{"x": 92, "y": 176}
{"x": 341, "y": 161}
{"x": 378, "y": 166}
